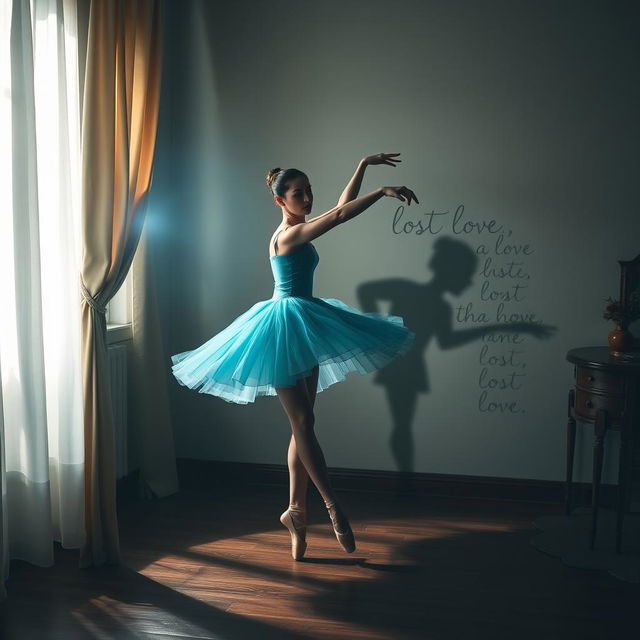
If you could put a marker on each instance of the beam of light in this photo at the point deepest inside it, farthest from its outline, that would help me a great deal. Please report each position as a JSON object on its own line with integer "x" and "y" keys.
{"x": 56, "y": 88}
{"x": 40, "y": 237}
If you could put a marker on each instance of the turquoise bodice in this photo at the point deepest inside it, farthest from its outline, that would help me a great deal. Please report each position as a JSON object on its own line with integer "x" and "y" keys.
{"x": 293, "y": 272}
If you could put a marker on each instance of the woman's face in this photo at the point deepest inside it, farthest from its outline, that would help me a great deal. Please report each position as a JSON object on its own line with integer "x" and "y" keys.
{"x": 298, "y": 198}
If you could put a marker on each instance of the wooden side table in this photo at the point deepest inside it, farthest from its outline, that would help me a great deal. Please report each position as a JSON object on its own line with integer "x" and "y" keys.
{"x": 607, "y": 395}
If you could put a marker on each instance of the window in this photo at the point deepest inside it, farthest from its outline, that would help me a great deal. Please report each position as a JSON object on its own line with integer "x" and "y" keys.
{"x": 120, "y": 312}
{"x": 119, "y": 309}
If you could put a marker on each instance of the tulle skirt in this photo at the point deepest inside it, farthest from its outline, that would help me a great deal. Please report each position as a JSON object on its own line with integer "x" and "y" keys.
{"x": 278, "y": 341}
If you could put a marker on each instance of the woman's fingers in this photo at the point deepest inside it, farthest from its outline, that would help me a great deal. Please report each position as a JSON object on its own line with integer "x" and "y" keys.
{"x": 402, "y": 193}
{"x": 409, "y": 195}
{"x": 384, "y": 158}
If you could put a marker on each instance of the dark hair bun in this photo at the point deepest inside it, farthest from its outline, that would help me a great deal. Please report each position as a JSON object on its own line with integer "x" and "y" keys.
{"x": 271, "y": 176}
{"x": 278, "y": 179}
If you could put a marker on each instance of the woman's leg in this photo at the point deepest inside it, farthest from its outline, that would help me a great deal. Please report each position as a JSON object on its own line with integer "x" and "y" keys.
{"x": 403, "y": 404}
{"x": 297, "y": 405}
{"x": 298, "y": 476}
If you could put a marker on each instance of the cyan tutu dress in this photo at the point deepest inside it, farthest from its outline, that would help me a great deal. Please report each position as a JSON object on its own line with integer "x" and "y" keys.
{"x": 277, "y": 341}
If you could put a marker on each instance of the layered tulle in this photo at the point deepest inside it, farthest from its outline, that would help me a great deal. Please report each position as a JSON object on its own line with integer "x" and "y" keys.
{"x": 278, "y": 341}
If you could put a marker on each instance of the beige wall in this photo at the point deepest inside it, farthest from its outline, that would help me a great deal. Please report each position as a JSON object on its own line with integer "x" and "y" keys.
{"x": 523, "y": 112}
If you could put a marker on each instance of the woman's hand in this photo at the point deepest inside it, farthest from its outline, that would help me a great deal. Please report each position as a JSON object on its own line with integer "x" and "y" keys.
{"x": 382, "y": 158}
{"x": 402, "y": 193}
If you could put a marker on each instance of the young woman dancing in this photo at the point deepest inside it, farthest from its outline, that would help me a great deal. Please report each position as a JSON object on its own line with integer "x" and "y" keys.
{"x": 296, "y": 345}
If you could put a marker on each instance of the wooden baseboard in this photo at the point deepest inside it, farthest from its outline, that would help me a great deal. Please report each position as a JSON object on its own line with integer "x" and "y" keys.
{"x": 211, "y": 474}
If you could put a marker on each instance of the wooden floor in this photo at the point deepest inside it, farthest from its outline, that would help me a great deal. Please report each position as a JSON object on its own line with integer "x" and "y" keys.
{"x": 199, "y": 565}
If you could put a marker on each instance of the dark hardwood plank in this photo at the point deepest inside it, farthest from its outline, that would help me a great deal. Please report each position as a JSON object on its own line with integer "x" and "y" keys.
{"x": 218, "y": 565}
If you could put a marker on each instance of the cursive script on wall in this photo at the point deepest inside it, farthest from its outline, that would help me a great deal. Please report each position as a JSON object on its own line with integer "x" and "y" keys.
{"x": 500, "y": 306}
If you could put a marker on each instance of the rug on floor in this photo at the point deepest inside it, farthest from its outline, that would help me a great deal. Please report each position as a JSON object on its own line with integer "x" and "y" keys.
{"x": 568, "y": 538}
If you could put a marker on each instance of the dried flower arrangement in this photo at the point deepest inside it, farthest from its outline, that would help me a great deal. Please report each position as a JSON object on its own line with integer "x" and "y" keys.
{"x": 623, "y": 314}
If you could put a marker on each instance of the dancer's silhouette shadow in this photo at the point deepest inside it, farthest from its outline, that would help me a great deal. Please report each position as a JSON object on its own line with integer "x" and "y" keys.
{"x": 426, "y": 312}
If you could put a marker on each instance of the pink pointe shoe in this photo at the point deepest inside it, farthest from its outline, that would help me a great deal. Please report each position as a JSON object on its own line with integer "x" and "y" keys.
{"x": 295, "y": 521}
{"x": 341, "y": 527}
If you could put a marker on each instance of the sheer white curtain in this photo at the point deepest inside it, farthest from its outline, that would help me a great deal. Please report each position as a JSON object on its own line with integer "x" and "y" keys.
{"x": 41, "y": 426}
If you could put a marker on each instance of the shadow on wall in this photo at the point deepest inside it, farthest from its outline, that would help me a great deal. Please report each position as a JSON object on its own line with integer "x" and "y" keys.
{"x": 426, "y": 312}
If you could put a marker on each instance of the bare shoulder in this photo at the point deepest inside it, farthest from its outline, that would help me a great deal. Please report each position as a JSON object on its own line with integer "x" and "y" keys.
{"x": 276, "y": 239}
{"x": 308, "y": 231}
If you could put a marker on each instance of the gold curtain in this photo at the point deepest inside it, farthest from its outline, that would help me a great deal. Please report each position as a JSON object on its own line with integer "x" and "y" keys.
{"x": 120, "y": 113}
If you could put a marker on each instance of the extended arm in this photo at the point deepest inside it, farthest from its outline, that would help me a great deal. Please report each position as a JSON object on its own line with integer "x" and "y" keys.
{"x": 448, "y": 339}
{"x": 369, "y": 293}
{"x": 352, "y": 189}
{"x": 307, "y": 231}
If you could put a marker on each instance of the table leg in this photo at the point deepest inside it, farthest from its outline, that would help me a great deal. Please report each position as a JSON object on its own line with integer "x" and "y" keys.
{"x": 624, "y": 471}
{"x": 571, "y": 445}
{"x": 598, "y": 454}
{"x": 622, "y": 463}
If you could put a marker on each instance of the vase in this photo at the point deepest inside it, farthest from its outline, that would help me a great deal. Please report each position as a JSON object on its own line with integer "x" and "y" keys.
{"x": 618, "y": 340}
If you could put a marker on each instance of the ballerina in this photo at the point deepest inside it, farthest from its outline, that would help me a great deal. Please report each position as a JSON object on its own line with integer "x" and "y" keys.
{"x": 295, "y": 345}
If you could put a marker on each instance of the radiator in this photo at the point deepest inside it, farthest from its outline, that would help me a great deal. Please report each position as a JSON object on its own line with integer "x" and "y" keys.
{"x": 118, "y": 379}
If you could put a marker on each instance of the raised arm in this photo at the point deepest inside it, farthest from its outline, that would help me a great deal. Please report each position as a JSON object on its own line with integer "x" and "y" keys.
{"x": 352, "y": 189}
{"x": 368, "y": 293}
{"x": 308, "y": 231}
